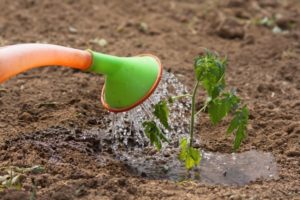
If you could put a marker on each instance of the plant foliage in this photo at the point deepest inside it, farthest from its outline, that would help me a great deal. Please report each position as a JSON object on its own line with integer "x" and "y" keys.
{"x": 154, "y": 133}
{"x": 161, "y": 111}
{"x": 189, "y": 155}
{"x": 210, "y": 76}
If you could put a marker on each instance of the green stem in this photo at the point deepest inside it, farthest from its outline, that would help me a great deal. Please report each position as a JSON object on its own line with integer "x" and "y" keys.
{"x": 193, "y": 113}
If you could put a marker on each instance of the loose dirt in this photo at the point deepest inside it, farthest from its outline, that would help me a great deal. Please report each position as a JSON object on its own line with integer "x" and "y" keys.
{"x": 45, "y": 113}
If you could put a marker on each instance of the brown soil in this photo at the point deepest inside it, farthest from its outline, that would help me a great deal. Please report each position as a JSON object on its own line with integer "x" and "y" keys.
{"x": 44, "y": 112}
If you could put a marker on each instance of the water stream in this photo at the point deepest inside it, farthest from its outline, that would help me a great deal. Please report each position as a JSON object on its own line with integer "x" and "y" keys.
{"x": 131, "y": 146}
{"x": 127, "y": 127}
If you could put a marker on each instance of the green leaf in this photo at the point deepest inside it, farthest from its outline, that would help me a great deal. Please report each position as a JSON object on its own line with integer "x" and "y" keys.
{"x": 189, "y": 155}
{"x": 234, "y": 124}
{"x": 210, "y": 71}
{"x": 194, "y": 153}
{"x": 217, "y": 89}
{"x": 239, "y": 124}
{"x": 183, "y": 147}
{"x": 240, "y": 119}
{"x": 219, "y": 108}
{"x": 189, "y": 163}
{"x": 161, "y": 111}
{"x": 154, "y": 134}
{"x": 239, "y": 137}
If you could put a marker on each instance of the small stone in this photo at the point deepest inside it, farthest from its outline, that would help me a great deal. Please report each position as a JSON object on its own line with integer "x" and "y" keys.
{"x": 277, "y": 30}
{"x": 293, "y": 153}
{"x": 143, "y": 27}
{"x": 235, "y": 197}
{"x": 26, "y": 117}
{"x": 101, "y": 42}
{"x": 230, "y": 28}
{"x": 285, "y": 22}
{"x": 72, "y": 29}
{"x": 132, "y": 190}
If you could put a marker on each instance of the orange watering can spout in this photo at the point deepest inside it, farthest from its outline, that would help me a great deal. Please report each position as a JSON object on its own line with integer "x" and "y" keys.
{"x": 16, "y": 59}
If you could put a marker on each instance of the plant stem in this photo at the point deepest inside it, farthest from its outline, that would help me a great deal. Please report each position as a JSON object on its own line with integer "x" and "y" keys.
{"x": 193, "y": 113}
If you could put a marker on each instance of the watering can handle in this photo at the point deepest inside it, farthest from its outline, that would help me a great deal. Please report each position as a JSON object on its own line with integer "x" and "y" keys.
{"x": 19, "y": 58}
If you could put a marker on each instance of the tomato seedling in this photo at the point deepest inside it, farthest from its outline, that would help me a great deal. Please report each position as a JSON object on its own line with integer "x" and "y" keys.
{"x": 210, "y": 76}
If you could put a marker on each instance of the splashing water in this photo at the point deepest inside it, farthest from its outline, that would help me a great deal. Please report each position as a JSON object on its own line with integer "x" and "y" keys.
{"x": 130, "y": 145}
{"x": 127, "y": 127}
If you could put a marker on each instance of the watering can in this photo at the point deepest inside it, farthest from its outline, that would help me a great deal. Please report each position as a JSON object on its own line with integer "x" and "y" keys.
{"x": 128, "y": 80}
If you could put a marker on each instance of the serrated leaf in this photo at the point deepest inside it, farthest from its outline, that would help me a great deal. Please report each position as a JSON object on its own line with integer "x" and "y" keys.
{"x": 239, "y": 123}
{"x": 195, "y": 155}
{"x": 158, "y": 144}
{"x": 210, "y": 71}
{"x": 189, "y": 163}
{"x": 189, "y": 155}
{"x": 154, "y": 134}
{"x": 219, "y": 108}
{"x": 217, "y": 89}
{"x": 183, "y": 147}
{"x": 239, "y": 137}
{"x": 233, "y": 125}
{"x": 161, "y": 111}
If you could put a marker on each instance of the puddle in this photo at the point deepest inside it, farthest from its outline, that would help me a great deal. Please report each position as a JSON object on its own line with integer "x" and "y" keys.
{"x": 215, "y": 168}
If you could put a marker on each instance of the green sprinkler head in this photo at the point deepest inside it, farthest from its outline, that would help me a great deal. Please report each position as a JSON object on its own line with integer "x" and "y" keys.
{"x": 128, "y": 80}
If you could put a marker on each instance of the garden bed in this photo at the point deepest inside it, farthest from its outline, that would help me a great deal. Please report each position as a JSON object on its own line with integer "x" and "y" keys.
{"x": 46, "y": 115}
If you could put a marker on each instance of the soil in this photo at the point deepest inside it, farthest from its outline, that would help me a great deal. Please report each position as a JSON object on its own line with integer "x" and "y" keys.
{"x": 45, "y": 112}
